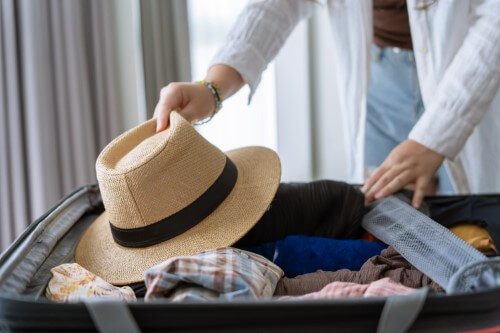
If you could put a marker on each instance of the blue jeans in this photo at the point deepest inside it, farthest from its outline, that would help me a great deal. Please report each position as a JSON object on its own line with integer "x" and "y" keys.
{"x": 394, "y": 107}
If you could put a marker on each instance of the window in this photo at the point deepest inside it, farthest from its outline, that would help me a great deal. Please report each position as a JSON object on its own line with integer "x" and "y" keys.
{"x": 237, "y": 124}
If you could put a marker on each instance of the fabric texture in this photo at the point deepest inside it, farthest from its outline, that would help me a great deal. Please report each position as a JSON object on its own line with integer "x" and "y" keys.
{"x": 458, "y": 63}
{"x": 73, "y": 283}
{"x": 297, "y": 254}
{"x": 388, "y": 264}
{"x": 323, "y": 208}
{"x": 477, "y": 236}
{"x": 391, "y": 27}
{"x": 225, "y": 273}
{"x": 390, "y": 120}
{"x": 258, "y": 34}
{"x": 427, "y": 245}
{"x": 450, "y": 211}
{"x": 380, "y": 288}
{"x": 475, "y": 276}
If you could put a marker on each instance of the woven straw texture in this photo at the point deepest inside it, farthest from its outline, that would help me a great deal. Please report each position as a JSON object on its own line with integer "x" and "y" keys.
{"x": 145, "y": 177}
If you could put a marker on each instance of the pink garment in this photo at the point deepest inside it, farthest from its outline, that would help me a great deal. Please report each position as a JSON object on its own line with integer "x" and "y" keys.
{"x": 382, "y": 287}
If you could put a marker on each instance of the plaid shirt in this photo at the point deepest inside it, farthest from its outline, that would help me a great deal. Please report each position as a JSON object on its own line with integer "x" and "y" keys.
{"x": 225, "y": 273}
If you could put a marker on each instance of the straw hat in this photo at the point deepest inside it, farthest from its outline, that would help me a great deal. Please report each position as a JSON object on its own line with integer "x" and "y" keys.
{"x": 172, "y": 194}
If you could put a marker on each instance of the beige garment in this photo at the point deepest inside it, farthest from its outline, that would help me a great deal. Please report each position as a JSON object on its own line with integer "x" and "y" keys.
{"x": 73, "y": 283}
{"x": 476, "y": 236}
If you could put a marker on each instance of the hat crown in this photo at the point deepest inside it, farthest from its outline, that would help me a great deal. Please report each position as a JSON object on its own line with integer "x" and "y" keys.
{"x": 145, "y": 176}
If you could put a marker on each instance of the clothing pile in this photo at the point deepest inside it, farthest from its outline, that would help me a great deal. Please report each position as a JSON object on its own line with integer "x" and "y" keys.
{"x": 308, "y": 245}
{"x": 184, "y": 221}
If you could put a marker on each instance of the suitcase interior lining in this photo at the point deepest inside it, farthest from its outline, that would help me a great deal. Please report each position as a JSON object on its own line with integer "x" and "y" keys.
{"x": 63, "y": 252}
{"x": 51, "y": 242}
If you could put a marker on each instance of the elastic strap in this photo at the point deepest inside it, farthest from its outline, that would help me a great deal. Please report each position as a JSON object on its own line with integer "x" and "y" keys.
{"x": 401, "y": 311}
{"x": 112, "y": 317}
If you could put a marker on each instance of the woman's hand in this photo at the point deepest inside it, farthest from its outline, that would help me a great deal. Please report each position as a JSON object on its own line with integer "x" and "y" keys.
{"x": 408, "y": 163}
{"x": 192, "y": 100}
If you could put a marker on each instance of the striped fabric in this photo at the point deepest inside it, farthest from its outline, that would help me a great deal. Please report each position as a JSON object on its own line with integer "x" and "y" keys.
{"x": 379, "y": 288}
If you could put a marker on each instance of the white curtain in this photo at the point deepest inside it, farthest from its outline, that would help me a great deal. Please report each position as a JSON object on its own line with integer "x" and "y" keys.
{"x": 59, "y": 103}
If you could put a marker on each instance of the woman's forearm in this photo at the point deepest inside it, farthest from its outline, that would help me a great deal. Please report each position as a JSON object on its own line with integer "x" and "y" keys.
{"x": 226, "y": 78}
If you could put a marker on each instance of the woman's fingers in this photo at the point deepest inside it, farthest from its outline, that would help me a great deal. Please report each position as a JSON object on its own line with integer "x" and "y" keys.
{"x": 418, "y": 195}
{"x": 420, "y": 162}
{"x": 170, "y": 99}
{"x": 385, "y": 178}
{"x": 399, "y": 182}
{"x": 193, "y": 101}
{"x": 373, "y": 178}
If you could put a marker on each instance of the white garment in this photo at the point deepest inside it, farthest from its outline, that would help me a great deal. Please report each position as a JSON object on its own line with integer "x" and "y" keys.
{"x": 457, "y": 51}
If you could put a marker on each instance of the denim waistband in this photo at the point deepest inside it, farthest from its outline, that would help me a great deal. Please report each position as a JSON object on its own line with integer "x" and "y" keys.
{"x": 393, "y": 53}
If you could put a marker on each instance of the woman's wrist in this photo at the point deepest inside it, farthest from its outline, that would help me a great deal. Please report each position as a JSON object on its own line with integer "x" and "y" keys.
{"x": 227, "y": 80}
{"x": 216, "y": 95}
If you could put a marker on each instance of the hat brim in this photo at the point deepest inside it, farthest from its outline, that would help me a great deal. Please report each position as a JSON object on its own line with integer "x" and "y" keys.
{"x": 259, "y": 173}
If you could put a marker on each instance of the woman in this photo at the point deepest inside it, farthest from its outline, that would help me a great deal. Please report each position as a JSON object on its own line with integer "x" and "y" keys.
{"x": 456, "y": 54}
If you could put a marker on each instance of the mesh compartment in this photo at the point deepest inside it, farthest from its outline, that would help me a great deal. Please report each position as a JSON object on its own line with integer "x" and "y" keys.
{"x": 476, "y": 276}
{"x": 427, "y": 245}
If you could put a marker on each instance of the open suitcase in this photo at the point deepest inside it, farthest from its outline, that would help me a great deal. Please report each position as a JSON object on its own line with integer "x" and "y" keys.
{"x": 51, "y": 240}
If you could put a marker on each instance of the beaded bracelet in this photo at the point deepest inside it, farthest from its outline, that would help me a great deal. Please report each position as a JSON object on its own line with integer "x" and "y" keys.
{"x": 217, "y": 99}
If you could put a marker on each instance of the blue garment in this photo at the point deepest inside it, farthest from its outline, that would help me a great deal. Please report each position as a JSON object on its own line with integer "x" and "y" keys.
{"x": 394, "y": 107}
{"x": 297, "y": 255}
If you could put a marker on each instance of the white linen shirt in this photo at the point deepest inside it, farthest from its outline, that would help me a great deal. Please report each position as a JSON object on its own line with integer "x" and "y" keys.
{"x": 457, "y": 51}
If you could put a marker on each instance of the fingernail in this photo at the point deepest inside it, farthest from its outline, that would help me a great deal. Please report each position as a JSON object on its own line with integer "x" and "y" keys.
{"x": 378, "y": 195}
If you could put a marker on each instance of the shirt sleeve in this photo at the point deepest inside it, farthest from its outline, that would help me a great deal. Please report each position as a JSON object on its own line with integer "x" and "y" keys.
{"x": 258, "y": 34}
{"x": 467, "y": 88}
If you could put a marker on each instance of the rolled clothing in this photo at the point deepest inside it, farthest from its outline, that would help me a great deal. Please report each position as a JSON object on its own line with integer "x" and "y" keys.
{"x": 73, "y": 283}
{"x": 298, "y": 254}
{"x": 388, "y": 264}
{"x": 323, "y": 208}
{"x": 380, "y": 288}
{"x": 225, "y": 273}
{"x": 477, "y": 236}
{"x": 449, "y": 211}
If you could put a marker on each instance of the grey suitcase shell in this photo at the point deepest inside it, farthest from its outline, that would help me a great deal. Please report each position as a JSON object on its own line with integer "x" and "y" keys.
{"x": 49, "y": 241}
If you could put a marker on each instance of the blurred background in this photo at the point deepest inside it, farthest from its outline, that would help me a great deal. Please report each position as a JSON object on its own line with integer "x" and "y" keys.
{"x": 75, "y": 74}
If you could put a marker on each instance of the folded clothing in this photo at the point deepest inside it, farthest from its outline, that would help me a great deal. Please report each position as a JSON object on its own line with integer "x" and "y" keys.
{"x": 73, "y": 283}
{"x": 450, "y": 211}
{"x": 476, "y": 235}
{"x": 297, "y": 254}
{"x": 323, "y": 208}
{"x": 388, "y": 264}
{"x": 379, "y": 288}
{"x": 225, "y": 273}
